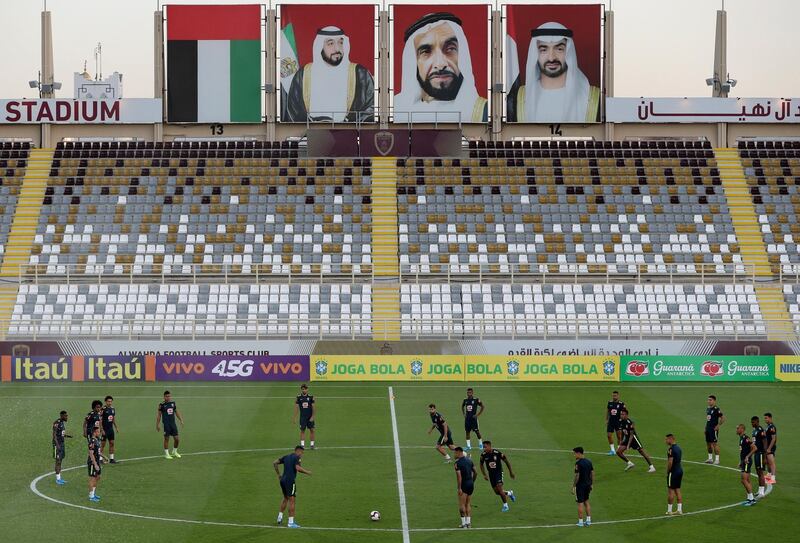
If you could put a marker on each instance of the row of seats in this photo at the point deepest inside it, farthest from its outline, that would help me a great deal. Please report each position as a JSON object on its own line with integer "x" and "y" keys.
{"x": 108, "y": 309}
{"x": 590, "y": 144}
{"x": 212, "y": 144}
{"x": 580, "y": 309}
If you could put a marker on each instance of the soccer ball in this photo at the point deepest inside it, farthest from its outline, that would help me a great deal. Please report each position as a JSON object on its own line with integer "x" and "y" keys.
{"x": 374, "y": 516}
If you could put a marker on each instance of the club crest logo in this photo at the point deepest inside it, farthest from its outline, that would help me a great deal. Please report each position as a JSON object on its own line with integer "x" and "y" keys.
{"x": 321, "y": 367}
{"x": 384, "y": 142}
{"x": 608, "y": 367}
{"x": 637, "y": 368}
{"x": 711, "y": 368}
{"x": 416, "y": 367}
{"x": 513, "y": 367}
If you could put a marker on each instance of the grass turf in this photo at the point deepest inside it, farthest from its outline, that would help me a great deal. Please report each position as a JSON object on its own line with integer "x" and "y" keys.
{"x": 354, "y": 468}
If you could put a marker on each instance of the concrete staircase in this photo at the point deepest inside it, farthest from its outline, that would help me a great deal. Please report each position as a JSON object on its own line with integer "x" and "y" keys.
{"x": 743, "y": 212}
{"x": 385, "y": 258}
{"x": 23, "y": 230}
{"x": 751, "y": 244}
{"x": 26, "y": 215}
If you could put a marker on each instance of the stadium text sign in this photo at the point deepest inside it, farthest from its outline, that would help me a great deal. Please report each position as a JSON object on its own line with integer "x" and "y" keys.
{"x": 697, "y": 368}
{"x": 787, "y": 368}
{"x": 77, "y": 368}
{"x": 703, "y": 110}
{"x": 542, "y": 368}
{"x": 388, "y": 368}
{"x": 231, "y": 368}
{"x": 126, "y": 110}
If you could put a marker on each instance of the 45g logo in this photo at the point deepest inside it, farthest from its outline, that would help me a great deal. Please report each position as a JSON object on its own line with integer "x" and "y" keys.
{"x": 234, "y": 368}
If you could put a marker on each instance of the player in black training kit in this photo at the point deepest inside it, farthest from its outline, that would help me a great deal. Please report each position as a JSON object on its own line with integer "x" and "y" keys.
{"x": 307, "y": 408}
{"x": 613, "y": 421}
{"x": 582, "y": 485}
{"x": 445, "y": 437}
{"x": 760, "y": 458}
{"x": 93, "y": 463}
{"x": 772, "y": 445}
{"x": 167, "y": 410}
{"x": 465, "y": 483}
{"x": 674, "y": 474}
{"x": 93, "y": 419}
{"x": 291, "y": 466}
{"x": 59, "y": 449}
{"x": 472, "y": 408}
{"x": 631, "y": 441}
{"x": 109, "y": 427}
{"x": 493, "y": 460}
{"x": 714, "y": 419}
{"x": 746, "y": 451}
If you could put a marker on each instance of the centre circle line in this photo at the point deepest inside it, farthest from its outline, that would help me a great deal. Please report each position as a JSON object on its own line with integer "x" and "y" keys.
{"x": 34, "y": 488}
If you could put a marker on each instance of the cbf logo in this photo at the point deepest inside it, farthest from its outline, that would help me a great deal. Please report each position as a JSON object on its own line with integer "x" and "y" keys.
{"x": 321, "y": 367}
{"x": 513, "y": 367}
{"x": 608, "y": 367}
{"x": 416, "y": 367}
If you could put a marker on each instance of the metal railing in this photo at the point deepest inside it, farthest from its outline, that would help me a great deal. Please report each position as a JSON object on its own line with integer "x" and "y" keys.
{"x": 533, "y": 327}
{"x": 407, "y": 273}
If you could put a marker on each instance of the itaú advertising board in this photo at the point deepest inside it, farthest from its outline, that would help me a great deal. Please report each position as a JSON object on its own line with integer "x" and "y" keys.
{"x": 77, "y": 368}
{"x": 126, "y": 110}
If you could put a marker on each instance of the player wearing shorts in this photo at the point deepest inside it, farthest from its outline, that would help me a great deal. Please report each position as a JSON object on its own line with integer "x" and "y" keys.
{"x": 59, "y": 448}
{"x": 110, "y": 427}
{"x": 714, "y": 419}
{"x": 760, "y": 458}
{"x": 291, "y": 466}
{"x": 93, "y": 464}
{"x": 492, "y": 461}
{"x": 674, "y": 474}
{"x": 746, "y": 451}
{"x": 772, "y": 446}
{"x": 582, "y": 486}
{"x": 612, "y": 421}
{"x": 472, "y": 408}
{"x": 93, "y": 419}
{"x": 630, "y": 440}
{"x": 445, "y": 436}
{"x": 167, "y": 411}
{"x": 307, "y": 408}
{"x": 465, "y": 485}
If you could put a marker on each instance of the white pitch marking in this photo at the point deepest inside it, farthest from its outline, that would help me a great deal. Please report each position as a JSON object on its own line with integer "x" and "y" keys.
{"x": 35, "y": 490}
{"x": 401, "y": 488}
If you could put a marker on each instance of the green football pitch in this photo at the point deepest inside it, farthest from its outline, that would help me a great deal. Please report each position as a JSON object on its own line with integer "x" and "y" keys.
{"x": 224, "y": 488}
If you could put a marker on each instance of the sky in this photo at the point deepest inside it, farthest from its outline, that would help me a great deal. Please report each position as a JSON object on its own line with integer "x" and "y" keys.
{"x": 663, "y": 47}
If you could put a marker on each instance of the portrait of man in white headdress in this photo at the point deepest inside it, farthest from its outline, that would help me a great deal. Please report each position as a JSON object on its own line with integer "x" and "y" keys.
{"x": 437, "y": 80}
{"x": 555, "y": 89}
{"x": 331, "y": 87}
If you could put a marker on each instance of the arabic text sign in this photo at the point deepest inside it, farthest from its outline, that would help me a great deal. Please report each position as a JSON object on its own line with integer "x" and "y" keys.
{"x": 703, "y": 110}
{"x": 128, "y": 110}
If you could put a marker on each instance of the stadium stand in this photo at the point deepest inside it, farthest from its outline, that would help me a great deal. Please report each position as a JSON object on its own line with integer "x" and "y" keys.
{"x": 13, "y": 162}
{"x": 535, "y": 238}
{"x": 568, "y": 208}
{"x": 179, "y": 208}
{"x": 772, "y": 169}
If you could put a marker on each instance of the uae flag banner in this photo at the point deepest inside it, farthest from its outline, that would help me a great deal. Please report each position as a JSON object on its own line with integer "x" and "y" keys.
{"x": 214, "y": 63}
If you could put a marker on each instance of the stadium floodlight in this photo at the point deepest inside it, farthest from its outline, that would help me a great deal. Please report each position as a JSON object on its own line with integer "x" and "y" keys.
{"x": 56, "y": 85}
{"x": 33, "y": 84}
{"x": 710, "y": 81}
{"x": 732, "y": 82}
